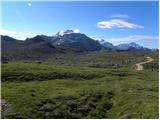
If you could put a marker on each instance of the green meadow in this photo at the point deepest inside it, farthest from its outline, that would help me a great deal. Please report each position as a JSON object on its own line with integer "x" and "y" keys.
{"x": 95, "y": 85}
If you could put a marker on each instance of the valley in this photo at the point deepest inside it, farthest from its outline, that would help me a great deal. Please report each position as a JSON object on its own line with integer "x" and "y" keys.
{"x": 79, "y": 59}
{"x": 70, "y": 75}
{"x": 90, "y": 85}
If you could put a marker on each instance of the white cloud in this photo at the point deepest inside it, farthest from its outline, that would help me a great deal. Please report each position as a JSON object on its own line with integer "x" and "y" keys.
{"x": 95, "y": 37}
{"x": 76, "y": 30}
{"x": 29, "y": 4}
{"x": 132, "y": 38}
{"x": 17, "y": 35}
{"x": 23, "y": 36}
{"x": 7, "y": 32}
{"x": 117, "y": 23}
{"x": 119, "y": 16}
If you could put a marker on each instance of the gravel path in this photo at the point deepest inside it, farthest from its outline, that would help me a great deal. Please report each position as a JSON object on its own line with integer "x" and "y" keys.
{"x": 139, "y": 66}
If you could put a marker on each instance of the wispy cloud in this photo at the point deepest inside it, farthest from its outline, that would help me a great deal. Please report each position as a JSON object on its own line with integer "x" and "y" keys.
{"x": 132, "y": 38}
{"x": 119, "y": 16}
{"x": 95, "y": 37}
{"x": 118, "y": 23}
{"x": 23, "y": 36}
{"x": 17, "y": 35}
{"x": 7, "y": 32}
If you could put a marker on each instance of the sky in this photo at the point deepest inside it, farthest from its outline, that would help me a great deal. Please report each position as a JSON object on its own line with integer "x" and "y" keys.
{"x": 115, "y": 22}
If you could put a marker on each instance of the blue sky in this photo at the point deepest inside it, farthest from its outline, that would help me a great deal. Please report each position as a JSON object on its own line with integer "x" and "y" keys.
{"x": 116, "y": 22}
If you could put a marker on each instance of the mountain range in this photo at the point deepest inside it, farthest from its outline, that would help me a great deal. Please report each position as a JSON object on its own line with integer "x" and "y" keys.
{"x": 62, "y": 42}
{"x": 125, "y": 46}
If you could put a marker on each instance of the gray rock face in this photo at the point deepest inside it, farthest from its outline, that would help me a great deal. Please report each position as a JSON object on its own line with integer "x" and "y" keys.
{"x": 5, "y": 107}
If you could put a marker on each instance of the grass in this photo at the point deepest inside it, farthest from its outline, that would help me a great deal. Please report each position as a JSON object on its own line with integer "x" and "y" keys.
{"x": 32, "y": 71}
{"x": 61, "y": 91}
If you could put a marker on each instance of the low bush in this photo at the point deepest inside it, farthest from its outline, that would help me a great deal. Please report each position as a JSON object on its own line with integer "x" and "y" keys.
{"x": 29, "y": 76}
{"x": 69, "y": 107}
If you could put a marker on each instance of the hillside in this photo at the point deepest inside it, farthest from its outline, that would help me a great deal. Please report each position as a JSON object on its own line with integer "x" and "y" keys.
{"x": 70, "y": 76}
{"x": 79, "y": 59}
{"x": 30, "y": 49}
{"x": 51, "y": 90}
{"x": 43, "y": 47}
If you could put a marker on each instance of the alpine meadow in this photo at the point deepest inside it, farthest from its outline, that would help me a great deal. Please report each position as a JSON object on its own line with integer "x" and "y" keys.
{"x": 79, "y": 60}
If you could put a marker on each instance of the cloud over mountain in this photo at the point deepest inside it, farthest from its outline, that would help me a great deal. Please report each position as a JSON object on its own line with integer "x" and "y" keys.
{"x": 7, "y": 32}
{"x": 131, "y": 38}
{"x": 76, "y": 30}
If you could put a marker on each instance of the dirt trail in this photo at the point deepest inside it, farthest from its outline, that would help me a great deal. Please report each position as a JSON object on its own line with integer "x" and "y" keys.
{"x": 139, "y": 66}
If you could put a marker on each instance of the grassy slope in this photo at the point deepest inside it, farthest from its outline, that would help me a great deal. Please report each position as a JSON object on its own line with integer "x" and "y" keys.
{"x": 134, "y": 94}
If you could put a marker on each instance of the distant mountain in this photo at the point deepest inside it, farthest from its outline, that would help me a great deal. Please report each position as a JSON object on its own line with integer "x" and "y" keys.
{"x": 36, "y": 39}
{"x": 131, "y": 47}
{"x": 34, "y": 48}
{"x": 124, "y": 47}
{"x": 42, "y": 46}
{"x": 127, "y": 46}
{"x": 107, "y": 45}
{"x": 69, "y": 39}
{"x": 7, "y": 38}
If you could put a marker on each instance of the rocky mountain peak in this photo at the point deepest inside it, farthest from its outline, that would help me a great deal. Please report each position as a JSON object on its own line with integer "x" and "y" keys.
{"x": 61, "y": 33}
